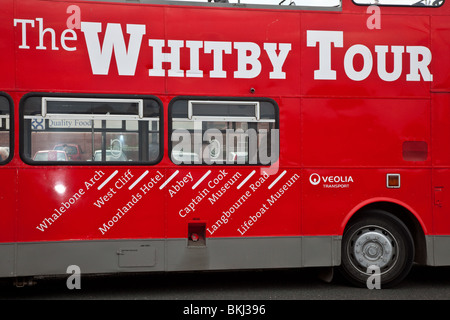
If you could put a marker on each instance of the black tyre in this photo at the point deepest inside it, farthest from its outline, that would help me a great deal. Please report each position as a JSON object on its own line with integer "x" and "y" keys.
{"x": 377, "y": 240}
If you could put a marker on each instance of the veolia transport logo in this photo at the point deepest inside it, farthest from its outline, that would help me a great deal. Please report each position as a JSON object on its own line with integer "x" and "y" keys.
{"x": 331, "y": 181}
{"x": 314, "y": 179}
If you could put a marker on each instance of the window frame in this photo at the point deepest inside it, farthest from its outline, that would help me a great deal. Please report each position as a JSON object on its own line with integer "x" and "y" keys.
{"x": 78, "y": 97}
{"x": 223, "y": 4}
{"x": 396, "y": 5}
{"x": 11, "y": 128}
{"x": 222, "y": 100}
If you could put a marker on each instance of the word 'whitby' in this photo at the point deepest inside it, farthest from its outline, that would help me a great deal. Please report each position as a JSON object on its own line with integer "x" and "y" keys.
{"x": 248, "y": 53}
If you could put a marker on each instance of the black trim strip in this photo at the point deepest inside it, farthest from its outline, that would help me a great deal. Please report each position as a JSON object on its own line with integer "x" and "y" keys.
{"x": 11, "y": 128}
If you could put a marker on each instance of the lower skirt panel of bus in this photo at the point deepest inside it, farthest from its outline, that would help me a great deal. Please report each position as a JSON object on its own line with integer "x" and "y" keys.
{"x": 113, "y": 256}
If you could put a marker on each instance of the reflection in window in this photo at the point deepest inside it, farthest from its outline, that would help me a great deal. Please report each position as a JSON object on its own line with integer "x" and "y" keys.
{"x": 302, "y": 3}
{"x": 224, "y": 132}
{"x": 4, "y": 129}
{"x": 91, "y": 129}
{"x": 416, "y": 3}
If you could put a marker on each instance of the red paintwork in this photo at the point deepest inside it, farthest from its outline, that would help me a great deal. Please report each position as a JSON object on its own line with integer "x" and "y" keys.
{"x": 338, "y": 128}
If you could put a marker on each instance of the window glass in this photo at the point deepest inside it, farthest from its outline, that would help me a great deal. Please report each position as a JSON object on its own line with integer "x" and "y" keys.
{"x": 224, "y": 132}
{"x": 5, "y": 135}
{"x": 291, "y": 3}
{"x": 225, "y": 109}
{"x": 416, "y": 3}
{"x": 89, "y": 130}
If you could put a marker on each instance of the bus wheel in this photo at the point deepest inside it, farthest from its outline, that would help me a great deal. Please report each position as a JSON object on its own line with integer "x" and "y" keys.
{"x": 378, "y": 243}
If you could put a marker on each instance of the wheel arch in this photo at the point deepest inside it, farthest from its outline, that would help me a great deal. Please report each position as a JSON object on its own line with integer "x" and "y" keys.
{"x": 400, "y": 210}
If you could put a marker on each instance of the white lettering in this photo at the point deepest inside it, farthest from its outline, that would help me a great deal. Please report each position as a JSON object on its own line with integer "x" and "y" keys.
{"x": 217, "y": 48}
{"x": 325, "y": 39}
{"x": 65, "y": 37}
{"x": 367, "y": 65}
{"x": 419, "y": 66}
{"x": 245, "y": 60}
{"x": 277, "y": 60}
{"x": 194, "y": 71}
{"x": 381, "y": 62}
{"x": 100, "y": 57}
{"x": 420, "y": 59}
{"x": 159, "y": 57}
{"x": 42, "y": 32}
{"x": 24, "y": 23}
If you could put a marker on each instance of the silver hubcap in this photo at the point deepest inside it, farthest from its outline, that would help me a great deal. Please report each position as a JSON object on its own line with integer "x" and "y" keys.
{"x": 373, "y": 246}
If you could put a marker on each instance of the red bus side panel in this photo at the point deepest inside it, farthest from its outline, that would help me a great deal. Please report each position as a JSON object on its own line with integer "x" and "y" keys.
{"x": 7, "y": 51}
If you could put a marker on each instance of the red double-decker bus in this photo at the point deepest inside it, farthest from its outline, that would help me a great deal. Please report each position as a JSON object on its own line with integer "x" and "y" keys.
{"x": 177, "y": 135}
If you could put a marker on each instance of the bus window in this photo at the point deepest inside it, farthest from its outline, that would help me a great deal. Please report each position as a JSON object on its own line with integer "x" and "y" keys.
{"x": 290, "y": 3}
{"x": 224, "y": 132}
{"x": 87, "y": 130}
{"x": 4, "y": 129}
{"x": 414, "y": 3}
